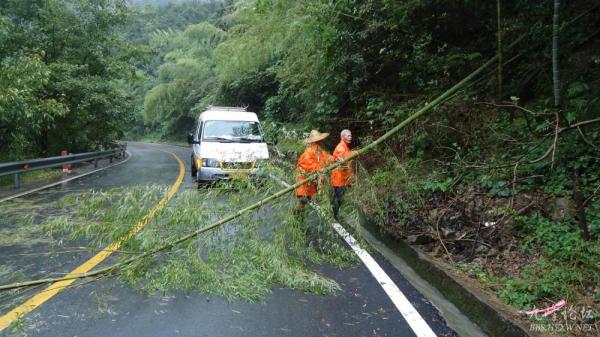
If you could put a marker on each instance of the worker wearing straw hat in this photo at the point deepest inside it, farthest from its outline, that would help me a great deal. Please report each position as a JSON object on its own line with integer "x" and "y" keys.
{"x": 312, "y": 160}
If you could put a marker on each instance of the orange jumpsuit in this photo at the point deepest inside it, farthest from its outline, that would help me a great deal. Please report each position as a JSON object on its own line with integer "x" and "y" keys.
{"x": 312, "y": 160}
{"x": 342, "y": 176}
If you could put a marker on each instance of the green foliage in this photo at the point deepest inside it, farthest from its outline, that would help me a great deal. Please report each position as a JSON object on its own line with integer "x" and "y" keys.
{"x": 560, "y": 241}
{"x": 175, "y": 68}
{"x": 58, "y": 66}
{"x": 518, "y": 292}
{"x": 394, "y": 193}
{"x": 563, "y": 262}
{"x": 313, "y": 63}
{"x": 437, "y": 185}
{"x": 476, "y": 270}
{"x": 567, "y": 261}
{"x": 499, "y": 188}
{"x": 540, "y": 281}
{"x": 21, "y": 111}
{"x": 593, "y": 216}
{"x": 175, "y": 15}
{"x": 184, "y": 79}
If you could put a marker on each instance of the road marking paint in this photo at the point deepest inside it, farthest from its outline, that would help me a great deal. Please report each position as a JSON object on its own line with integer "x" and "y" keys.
{"x": 18, "y": 195}
{"x": 410, "y": 314}
{"x": 53, "y": 289}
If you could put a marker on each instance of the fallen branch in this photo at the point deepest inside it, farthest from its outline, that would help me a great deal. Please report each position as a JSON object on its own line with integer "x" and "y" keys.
{"x": 591, "y": 197}
{"x": 585, "y": 138}
{"x": 472, "y": 240}
{"x": 513, "y": 106}
{"x": 506, "y": 218}
{"x": 514, "y": 185}
{"x": 439, "y": 236}
{"x": 549, "y": 151}
{"x": 578, "y": 124}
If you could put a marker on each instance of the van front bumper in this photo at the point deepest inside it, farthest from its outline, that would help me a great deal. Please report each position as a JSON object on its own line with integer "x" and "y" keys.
{"x": 216, "y": 173}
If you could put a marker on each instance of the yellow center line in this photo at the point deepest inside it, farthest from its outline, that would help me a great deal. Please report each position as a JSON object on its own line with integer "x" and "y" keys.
{"x": 53, "y": 289}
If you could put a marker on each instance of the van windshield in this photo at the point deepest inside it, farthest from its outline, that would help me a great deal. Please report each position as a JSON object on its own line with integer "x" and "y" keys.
{"x": 232, "y": 131}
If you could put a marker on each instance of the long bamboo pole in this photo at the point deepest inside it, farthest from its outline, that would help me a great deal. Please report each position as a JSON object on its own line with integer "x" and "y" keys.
{"x": 555, "y": 71}
{"x": 277, "y": 195}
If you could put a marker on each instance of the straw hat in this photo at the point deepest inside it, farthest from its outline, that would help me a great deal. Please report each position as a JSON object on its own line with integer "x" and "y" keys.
{"x": 315, "y": 136}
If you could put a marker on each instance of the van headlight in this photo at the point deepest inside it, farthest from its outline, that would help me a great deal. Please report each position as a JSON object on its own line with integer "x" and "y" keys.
{"x": 210, "y": 162}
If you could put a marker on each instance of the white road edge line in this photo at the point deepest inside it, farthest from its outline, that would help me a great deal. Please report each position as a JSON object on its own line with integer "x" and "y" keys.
{"x": 18, "y": 195}
{"x": 410, "y": 314}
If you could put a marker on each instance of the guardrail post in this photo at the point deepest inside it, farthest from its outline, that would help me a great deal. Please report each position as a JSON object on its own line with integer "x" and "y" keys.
{"x": 66, "y": 167}
{"x": 17, "y": 181}
{"x": 95, "y": 162}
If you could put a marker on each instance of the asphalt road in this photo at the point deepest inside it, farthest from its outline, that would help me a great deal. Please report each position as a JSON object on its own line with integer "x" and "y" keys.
{"x": 110, "y": 308}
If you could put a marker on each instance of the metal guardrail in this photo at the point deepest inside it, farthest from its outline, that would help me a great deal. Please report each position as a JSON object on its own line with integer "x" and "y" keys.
{"x": 18, "y": 167}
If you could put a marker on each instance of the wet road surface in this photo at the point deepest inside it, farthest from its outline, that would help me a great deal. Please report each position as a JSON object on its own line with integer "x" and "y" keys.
{"x": 109, "y": 307}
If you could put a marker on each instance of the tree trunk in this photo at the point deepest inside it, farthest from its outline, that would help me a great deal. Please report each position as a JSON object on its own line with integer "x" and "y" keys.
{"x": 500, "y": 60}
{"x": 555, "y": 73}
{"x": 580, "y": 207}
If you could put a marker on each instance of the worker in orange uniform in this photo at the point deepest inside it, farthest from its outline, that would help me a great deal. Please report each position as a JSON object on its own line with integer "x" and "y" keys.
{"x": 342, "y": 177}
{"x": 312, "y": 160}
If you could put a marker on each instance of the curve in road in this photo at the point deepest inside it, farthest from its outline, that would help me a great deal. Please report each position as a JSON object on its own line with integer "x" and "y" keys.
{"x": 56, "y": 287}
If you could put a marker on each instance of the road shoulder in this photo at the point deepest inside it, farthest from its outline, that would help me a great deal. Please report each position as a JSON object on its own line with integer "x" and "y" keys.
{"x": 492, "y": 316}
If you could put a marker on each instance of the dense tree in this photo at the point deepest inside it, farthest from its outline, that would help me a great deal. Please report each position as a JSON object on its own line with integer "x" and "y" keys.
{"x": 58, "y": 69}
{"x": 186, "y": 79}
{"x": 157, "y": 91}
{"x": 319, "y": 62}
{"x": 165, "y": 15}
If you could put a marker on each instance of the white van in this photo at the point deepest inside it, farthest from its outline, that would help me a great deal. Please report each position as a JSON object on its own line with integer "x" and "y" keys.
{"x": 227, "y": 141}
